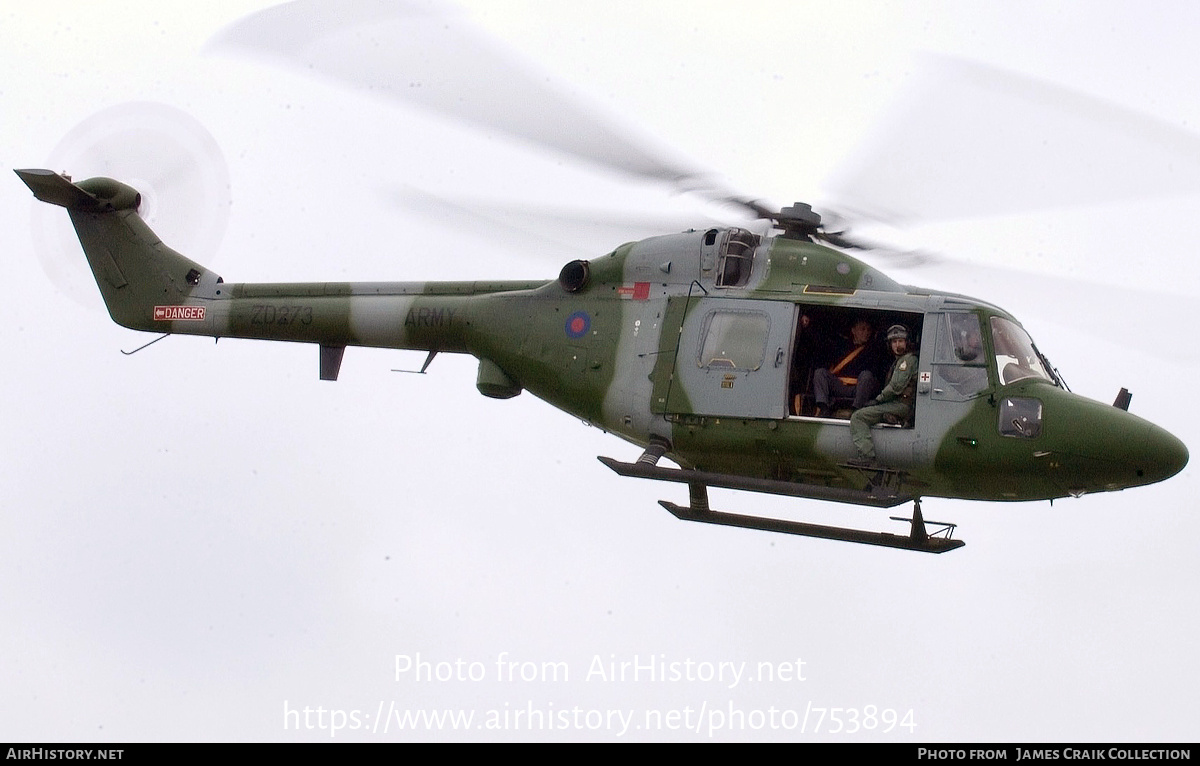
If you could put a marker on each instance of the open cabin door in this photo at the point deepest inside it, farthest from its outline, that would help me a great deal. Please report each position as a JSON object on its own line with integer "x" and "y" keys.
{"x": 724, "y": 357}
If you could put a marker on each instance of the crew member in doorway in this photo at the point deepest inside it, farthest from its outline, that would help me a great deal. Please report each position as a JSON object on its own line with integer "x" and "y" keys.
{"x": 896, "y": 398}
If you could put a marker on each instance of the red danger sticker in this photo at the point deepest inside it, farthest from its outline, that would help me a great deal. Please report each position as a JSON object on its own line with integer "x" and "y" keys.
{"x": 178, "y": 313}
{"x": 640, "y": 291}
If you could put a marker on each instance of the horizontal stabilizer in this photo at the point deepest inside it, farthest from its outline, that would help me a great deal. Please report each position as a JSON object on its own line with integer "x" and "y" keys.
{"x": 51, "y": 187}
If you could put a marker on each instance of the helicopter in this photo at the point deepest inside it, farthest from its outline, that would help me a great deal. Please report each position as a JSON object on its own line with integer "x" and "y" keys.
{"x": 695, "y": 346}
{"x": 699, "y": 346}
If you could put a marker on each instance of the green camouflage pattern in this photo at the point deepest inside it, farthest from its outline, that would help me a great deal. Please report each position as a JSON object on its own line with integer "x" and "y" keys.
{"x": 689, "y": 341}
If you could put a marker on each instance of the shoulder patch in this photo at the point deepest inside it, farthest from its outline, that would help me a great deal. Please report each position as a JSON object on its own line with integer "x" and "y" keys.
{"x": 903, "y": 365}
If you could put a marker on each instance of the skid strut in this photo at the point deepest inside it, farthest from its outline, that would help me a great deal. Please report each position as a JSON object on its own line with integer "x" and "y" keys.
{"x": 698, "y": 508}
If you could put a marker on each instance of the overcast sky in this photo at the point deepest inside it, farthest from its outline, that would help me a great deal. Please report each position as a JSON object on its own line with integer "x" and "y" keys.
{"x": 202, "y": 536}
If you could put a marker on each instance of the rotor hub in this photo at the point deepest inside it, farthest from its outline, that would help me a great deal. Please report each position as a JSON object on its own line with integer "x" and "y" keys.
{"x": 799, "y": 221}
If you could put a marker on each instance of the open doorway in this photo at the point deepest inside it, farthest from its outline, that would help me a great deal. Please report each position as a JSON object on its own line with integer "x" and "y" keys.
{"x": 840, "y": 358}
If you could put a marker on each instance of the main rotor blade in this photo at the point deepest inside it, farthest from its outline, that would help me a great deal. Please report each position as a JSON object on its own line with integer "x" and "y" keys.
{"x": 1116, "y": 315}
{"x": 968, "y": 140}
{"x": 430, "y": 56}
{"x": 549, "y": 230}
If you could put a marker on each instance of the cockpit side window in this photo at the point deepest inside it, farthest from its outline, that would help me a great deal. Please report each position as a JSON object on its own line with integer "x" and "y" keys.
{"x": 960, "y": 362}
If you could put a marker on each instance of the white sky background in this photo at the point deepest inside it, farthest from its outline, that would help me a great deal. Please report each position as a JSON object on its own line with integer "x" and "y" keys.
{"x": 197, "y": 534}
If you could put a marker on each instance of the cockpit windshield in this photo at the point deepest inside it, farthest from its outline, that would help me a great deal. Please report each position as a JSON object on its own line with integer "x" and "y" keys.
{"x": 1016, "y": 356}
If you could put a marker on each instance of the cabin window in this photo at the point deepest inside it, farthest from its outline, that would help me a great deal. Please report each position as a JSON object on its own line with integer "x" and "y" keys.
{"x": 1021, "y": 417}
{"x": 735, "y": 340}
{"x": 1016, "y": 358}
{"x": 960, "y": 363}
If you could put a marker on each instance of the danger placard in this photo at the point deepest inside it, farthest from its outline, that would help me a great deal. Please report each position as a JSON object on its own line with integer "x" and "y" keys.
{"x": 178, "y": 313}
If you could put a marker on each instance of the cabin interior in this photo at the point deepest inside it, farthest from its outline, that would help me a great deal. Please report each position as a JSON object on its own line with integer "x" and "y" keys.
{"x": 825, "y": 338}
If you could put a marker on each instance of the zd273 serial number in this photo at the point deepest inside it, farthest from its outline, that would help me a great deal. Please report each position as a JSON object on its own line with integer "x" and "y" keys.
{"x": 281, "y": 315}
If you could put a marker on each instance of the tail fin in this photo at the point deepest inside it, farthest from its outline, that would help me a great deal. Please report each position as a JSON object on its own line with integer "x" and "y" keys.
{"x": 139, "y": 277}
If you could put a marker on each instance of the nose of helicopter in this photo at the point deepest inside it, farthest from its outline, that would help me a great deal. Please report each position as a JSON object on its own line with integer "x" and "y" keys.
{"x": 1145, "y": 452}
{"x": 1160, "y": 455}
{"x": 1114, "y": 449}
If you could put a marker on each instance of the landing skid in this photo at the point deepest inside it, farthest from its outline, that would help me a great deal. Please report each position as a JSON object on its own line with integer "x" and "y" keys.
{"x": 918, "y": 539}
{"x": 881, "y": 481}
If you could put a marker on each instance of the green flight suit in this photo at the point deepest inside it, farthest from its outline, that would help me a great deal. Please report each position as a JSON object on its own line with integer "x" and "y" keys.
{"x": 896, "y": 399}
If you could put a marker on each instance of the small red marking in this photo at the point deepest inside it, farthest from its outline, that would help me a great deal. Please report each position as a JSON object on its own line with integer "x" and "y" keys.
{"x": 577, "y": 324}
{"x": 640, "y": 291}
{"x": 179, "y": 313}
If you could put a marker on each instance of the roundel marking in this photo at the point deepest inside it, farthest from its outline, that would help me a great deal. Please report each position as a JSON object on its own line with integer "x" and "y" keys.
{"x": 578, "y": 324}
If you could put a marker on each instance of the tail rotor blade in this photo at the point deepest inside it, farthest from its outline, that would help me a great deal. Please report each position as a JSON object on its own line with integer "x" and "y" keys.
{"x": 163, "y": 152}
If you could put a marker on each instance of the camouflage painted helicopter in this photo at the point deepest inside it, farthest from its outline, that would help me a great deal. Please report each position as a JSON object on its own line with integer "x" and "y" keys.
{"x": 696, "y": 346}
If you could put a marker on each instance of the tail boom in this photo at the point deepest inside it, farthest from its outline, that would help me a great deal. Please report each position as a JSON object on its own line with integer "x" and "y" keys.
{"x": 148, "y": 286}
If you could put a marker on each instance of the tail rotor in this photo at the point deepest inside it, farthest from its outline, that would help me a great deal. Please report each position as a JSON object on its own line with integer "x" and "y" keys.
{"x": 161, "y": 151}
